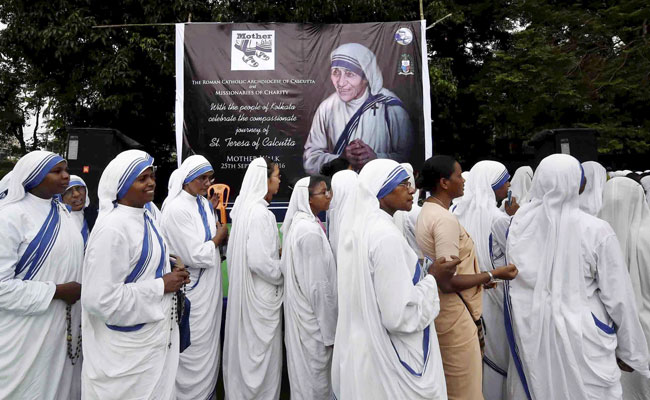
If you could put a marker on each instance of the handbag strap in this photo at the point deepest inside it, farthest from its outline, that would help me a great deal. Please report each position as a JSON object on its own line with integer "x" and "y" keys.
{"x": 478, "y": 321}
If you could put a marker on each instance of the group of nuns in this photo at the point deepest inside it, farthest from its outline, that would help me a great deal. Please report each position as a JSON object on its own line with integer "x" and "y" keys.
{"x": 473, "y": 286}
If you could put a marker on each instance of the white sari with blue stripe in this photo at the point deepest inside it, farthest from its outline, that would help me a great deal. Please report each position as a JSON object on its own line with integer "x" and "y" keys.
{"x": 570, "y": 312}
{"x": 130, "y": 339}
{"x": 40, "y": 247}
{"x": 384, "y": 346}
{"x": 188, "y": 226}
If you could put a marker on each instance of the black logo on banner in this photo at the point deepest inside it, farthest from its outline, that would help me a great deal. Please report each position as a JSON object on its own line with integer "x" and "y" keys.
{"x": 252, "y": 51}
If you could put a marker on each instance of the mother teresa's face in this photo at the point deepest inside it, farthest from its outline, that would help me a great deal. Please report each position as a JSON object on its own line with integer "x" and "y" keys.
{"x": 348, "y": 85}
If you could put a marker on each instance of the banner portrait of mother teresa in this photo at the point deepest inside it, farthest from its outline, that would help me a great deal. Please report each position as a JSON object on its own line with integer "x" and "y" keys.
{"x": 361, "y": 120}
{"x": 303, "y": 94}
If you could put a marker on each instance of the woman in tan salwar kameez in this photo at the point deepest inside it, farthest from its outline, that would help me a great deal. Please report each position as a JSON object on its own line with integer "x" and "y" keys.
{"x": 439, "y": 234}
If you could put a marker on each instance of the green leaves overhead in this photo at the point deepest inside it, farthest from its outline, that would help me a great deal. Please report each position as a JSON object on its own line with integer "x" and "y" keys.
{"x": 503, "y": 69}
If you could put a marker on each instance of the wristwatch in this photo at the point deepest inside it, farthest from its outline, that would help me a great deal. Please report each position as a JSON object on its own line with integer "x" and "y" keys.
{"x": 492, "y": 280}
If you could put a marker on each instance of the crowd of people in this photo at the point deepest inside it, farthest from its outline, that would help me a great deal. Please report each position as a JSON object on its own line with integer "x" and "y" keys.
{"x": 440, "y": 284}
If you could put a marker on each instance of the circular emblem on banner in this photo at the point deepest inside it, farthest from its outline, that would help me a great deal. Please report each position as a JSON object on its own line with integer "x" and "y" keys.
{"x": 404, "y": 36}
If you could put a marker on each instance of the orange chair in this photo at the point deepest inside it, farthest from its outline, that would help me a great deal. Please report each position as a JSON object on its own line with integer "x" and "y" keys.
{"x": 224, "y": 194}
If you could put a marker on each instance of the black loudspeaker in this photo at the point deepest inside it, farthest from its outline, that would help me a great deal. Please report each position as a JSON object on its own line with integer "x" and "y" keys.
{"x": 580, "y": 143}
{"x": 90, "y": 150}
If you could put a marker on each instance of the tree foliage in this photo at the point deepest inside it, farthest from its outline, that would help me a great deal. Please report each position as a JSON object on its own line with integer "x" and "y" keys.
{"x": 584, "y": 64}
{"x": 498, "y": 69}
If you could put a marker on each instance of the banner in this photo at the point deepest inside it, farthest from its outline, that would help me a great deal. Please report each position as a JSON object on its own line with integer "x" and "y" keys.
{"x": 302, "y": 95}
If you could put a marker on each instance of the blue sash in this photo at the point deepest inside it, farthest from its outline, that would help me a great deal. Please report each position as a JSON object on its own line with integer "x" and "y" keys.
{"x": 610, "y": 330}
{"x": 486, "y": 360}
{"x": 204, "y": 218}
{"x": 353, "y": 123}
{"x": 84, "y": 228}
{"x": 327, "y": 225}
{"x": 510, "y": 333}
{"x": 425, "y": 335}
{"x": 84, "y": 232}
{"x": 208, "y": 234}
{"x": 39, "y": 248}
{"x": 143, "y": 263}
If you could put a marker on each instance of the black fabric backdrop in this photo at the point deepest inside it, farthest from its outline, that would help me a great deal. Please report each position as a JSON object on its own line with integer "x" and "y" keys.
{"x": 232, "y": 116}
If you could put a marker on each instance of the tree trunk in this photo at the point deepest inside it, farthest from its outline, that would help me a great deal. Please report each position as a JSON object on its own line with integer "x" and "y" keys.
{"x": 38, "y": 116}
{"x": 18, "y": 134}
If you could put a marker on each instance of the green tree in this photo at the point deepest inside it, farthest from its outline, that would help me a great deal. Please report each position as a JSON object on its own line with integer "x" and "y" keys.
{"x": 503, "y": 69}
{"x": 572, "y": 64}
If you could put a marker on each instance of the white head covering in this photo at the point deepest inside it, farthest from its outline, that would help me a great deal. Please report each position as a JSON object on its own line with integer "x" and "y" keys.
{"x": 28, "y": 173}
{"x": 298, "y": 207}
{"x": 253, "y": 188}
{"x": 399, "y": 216}
{"x": 645, "y": 182}
{"x": 75, "y": 180}
{"x": 626, "y": 210}
{"x": 193, "y": 167}
{"x": 592, "y": 197}
{"x": 247, "y": 307}
{"x": 548, "y": 295}
{"x": 117, "y": 178}
{"x": 360, "y": 60}
{"x": 614, "y": 174}
{"x": 359, "y": 318}
{"x": 344, "y": 185}
{"x": 478, "y": 207}
{"x": 521, "y": 183}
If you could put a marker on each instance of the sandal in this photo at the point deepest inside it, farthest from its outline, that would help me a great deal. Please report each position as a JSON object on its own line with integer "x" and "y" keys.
{"x": 250, "y": 61}
{"x": 262, "y": 55}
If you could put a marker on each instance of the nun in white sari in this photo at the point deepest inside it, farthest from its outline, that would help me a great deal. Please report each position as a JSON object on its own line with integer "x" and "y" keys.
{"x": 626, "y": 210}
{"x": 361, "y": 110}
{"x": 129, "y": 318}
{"x": 520, "y": 185}
{"x": 645, "y": 182}
{"x": 344, "y": 184}
{"x": 252, "y": 356}
{"x": 571, "y": 312}
{"x": 78, "y": 215}
{"x": 487, "y": 226}
{"x": 189, "y": 226}
{"x": 40, "y": 251}
{"x": 79, "y": 218}
{"x": 591, "y": 199}
{"x": 310, "y": 297}
{"x": 385, "y": 345}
